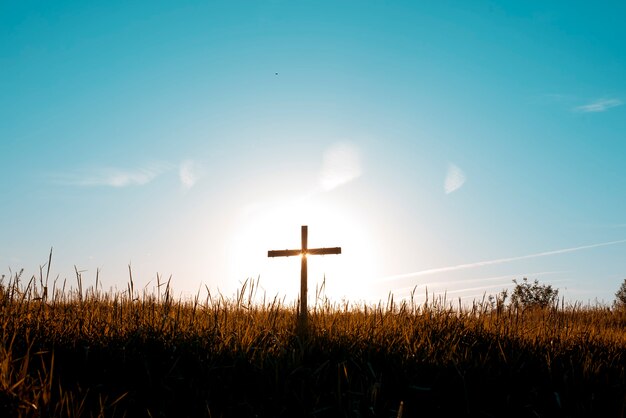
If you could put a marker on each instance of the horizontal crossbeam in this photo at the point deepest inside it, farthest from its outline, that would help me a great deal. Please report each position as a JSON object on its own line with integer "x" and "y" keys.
{"x": 322, "y": 251}
{"x": 312, "y": 251}
{"x": 283, "y": 253}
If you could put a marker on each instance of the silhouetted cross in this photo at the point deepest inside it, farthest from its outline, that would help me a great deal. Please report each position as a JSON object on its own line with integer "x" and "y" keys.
{"x": 303, "y": 252}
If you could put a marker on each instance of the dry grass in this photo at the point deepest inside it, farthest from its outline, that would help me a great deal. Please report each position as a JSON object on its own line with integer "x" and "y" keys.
{"x": 84, "y": 352}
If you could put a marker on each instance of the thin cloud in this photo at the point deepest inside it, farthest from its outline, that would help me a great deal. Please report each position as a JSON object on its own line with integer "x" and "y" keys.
{"x": 497, "y": 261}
{"x": 341, "y": 165}
{"x": 508, "y": 277}
{"x": 611, "y": 226}
{"x": 559, "y": 97}
{"x": 457, "y": 285}
{"x": 112, "y": 176}
{"x": 600, "y": 105}
{"x": 188, "y": 173}
{"x": 495, "y": 286}
{"x": 455, "y": 178}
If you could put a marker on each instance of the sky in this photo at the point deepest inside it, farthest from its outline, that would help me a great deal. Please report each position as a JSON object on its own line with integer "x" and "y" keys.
{"x": 446, "y": 146}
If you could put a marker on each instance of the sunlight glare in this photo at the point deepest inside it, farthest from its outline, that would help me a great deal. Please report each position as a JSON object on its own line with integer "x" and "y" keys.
{"x": 276, "y": 226}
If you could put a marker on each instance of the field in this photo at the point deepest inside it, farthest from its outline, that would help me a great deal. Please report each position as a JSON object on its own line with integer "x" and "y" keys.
{"x": 84, "y": 352}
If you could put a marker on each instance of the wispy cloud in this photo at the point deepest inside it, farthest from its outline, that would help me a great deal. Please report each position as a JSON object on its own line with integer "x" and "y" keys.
{"x": 481, "y": 282}
{"x": 600, "y": 105}
{"x": 341, "y": 165}
{"x": 558, "y": 97}
{"x": 498, "y": 261}
{"x": 505, "y": 278}
{"x": 610, "y": 226}
{"x": 189, "y": 173}
{"x": 112, "y": 176}
{"x": 455, "y": 178}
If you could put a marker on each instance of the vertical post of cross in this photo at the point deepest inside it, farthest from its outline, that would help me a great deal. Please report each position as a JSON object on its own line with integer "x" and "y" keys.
{"x": 303, "y": 318}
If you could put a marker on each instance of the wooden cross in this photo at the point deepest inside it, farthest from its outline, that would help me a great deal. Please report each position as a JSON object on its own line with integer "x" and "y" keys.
{"x": 303, "y": 253}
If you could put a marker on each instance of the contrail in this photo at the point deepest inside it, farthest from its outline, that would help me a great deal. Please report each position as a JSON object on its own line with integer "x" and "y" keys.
{"x": 497, "y": 261}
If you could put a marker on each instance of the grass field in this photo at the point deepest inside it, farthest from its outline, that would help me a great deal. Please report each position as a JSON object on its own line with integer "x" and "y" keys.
{"x": 85, "y": 352}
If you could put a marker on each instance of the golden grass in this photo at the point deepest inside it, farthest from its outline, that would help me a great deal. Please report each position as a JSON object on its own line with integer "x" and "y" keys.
{"x": 84, "y": 352}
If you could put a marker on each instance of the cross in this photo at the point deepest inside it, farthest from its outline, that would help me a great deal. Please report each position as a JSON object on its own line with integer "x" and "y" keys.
{"x": 303, "y": 253}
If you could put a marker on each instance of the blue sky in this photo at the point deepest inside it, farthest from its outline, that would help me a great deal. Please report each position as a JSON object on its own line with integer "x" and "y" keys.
{"x": 439, "y": 143}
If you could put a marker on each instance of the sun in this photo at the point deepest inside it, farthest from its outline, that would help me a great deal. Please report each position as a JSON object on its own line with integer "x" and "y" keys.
{"x": 275, "y": 225}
